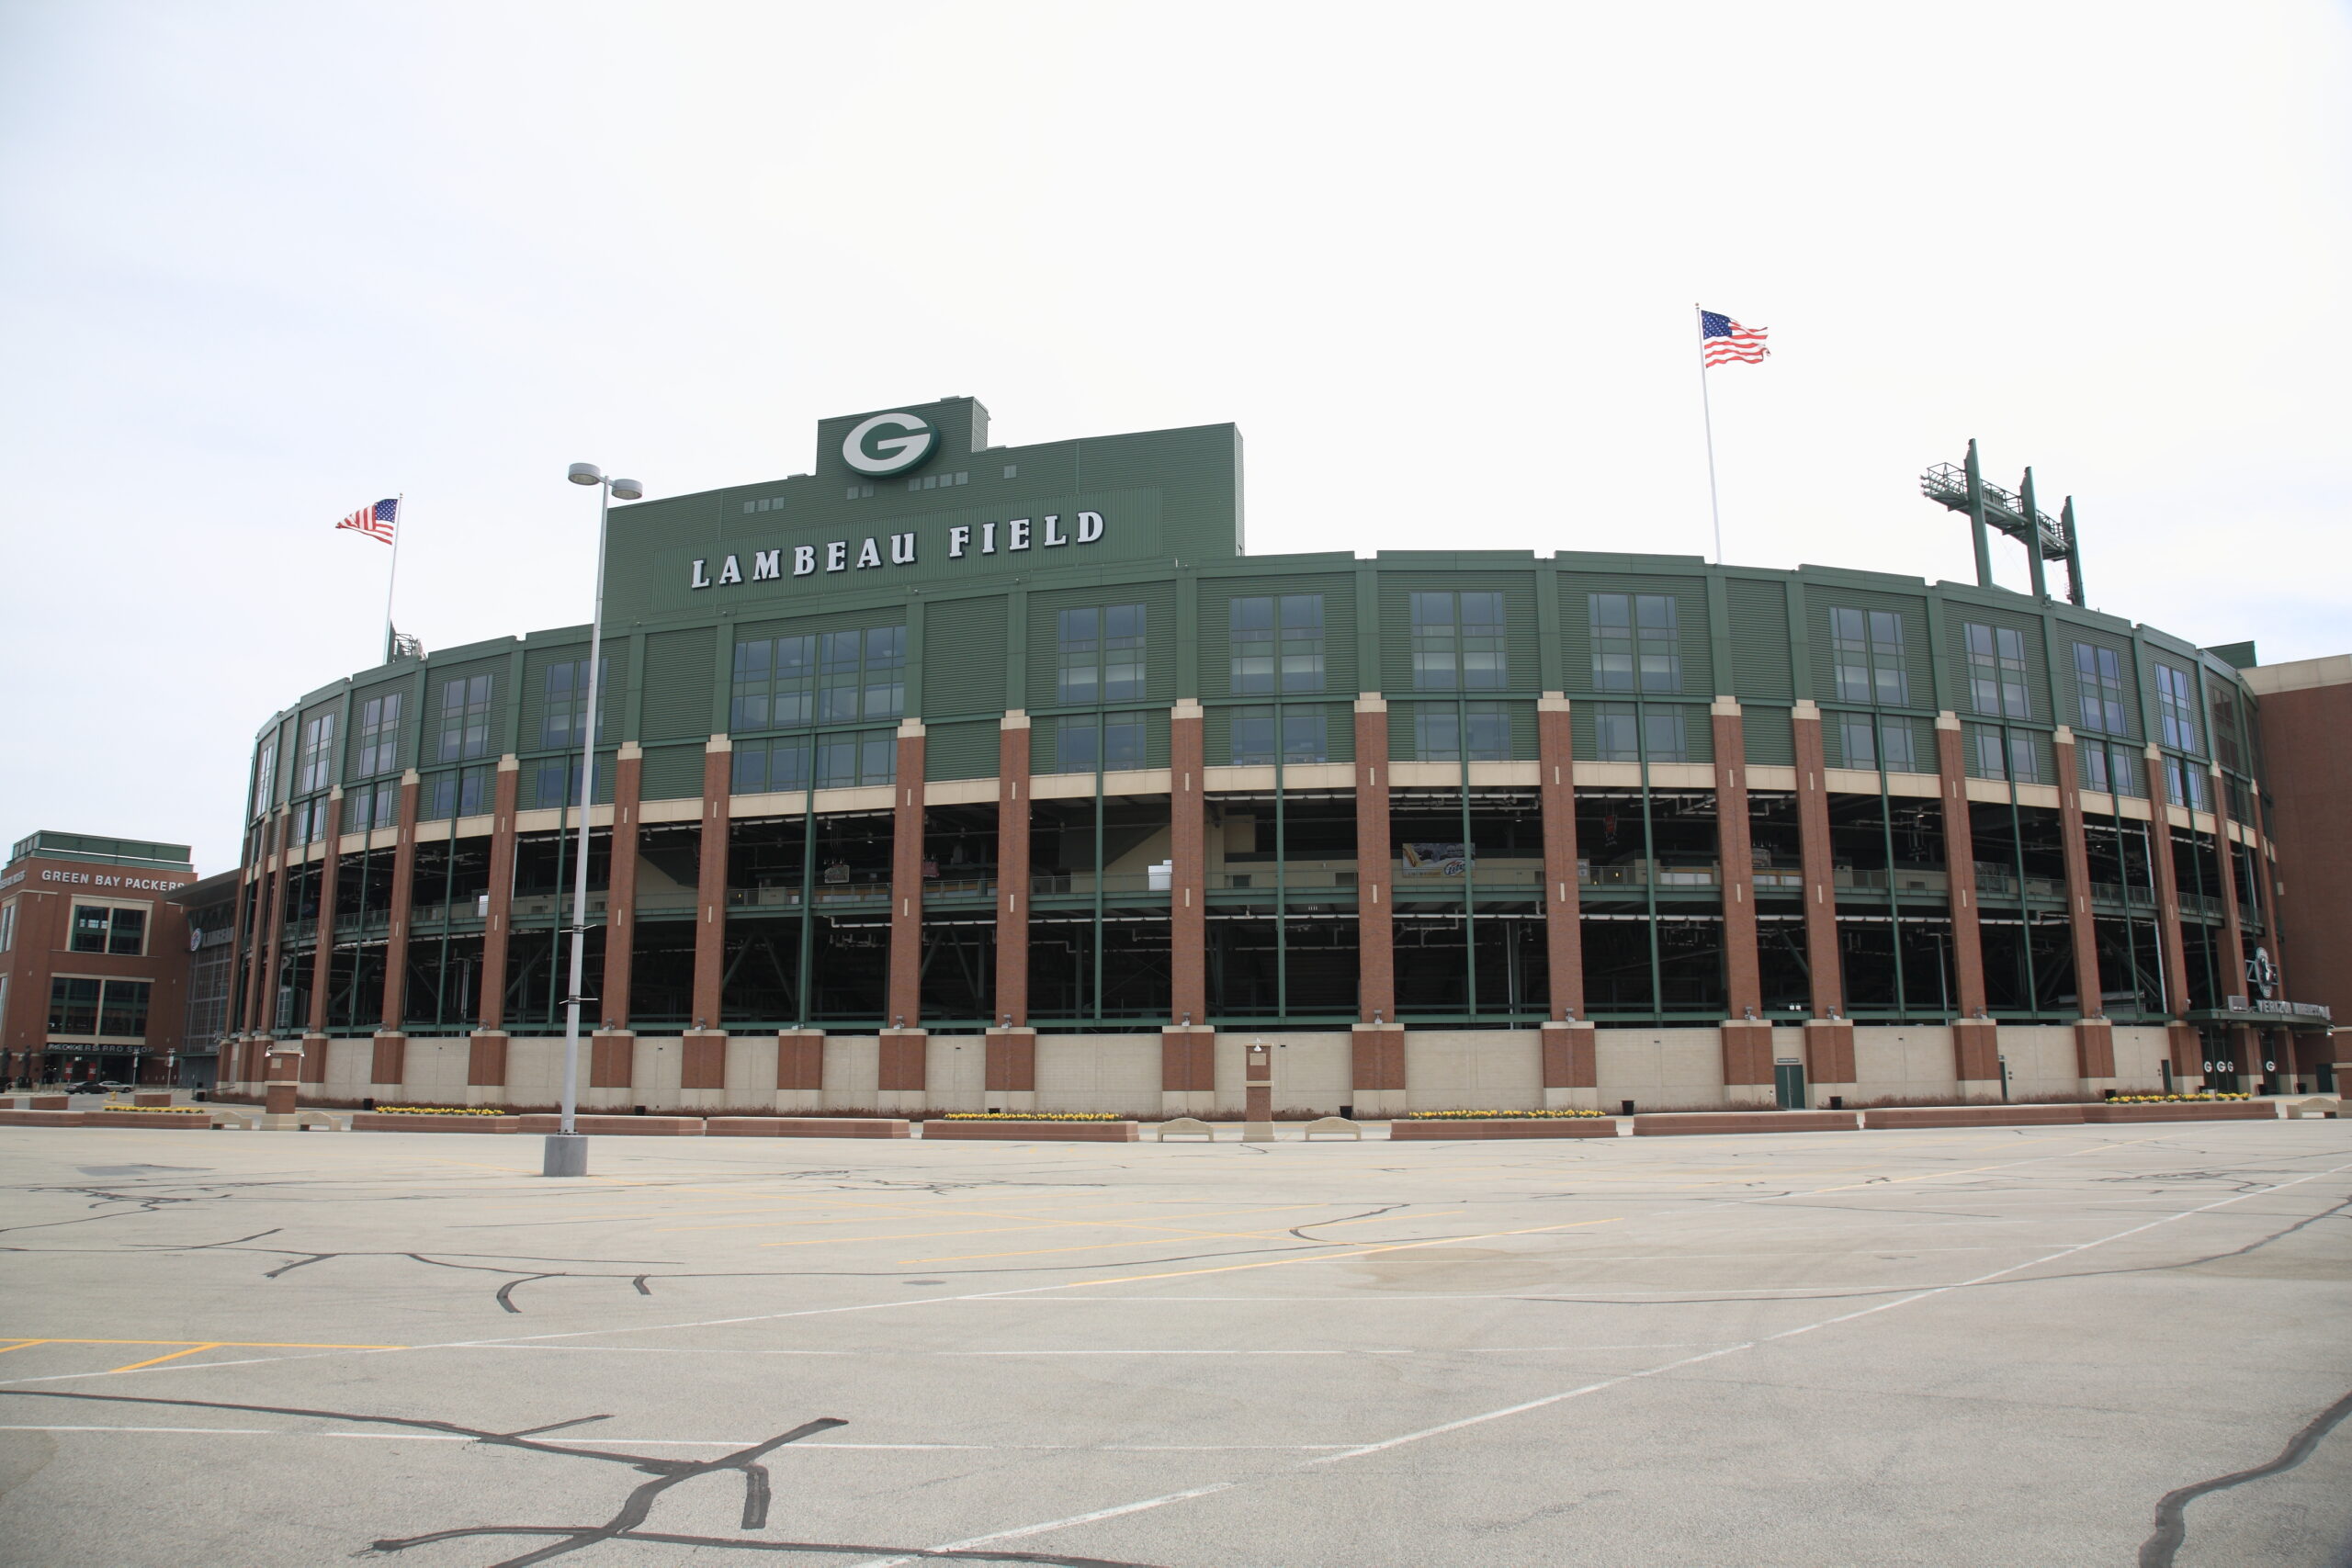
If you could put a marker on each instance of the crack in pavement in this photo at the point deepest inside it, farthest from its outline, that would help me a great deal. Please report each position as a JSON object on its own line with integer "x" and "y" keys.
{"x": 2172, "y": 1509}
{"x": 634, "y": 1509}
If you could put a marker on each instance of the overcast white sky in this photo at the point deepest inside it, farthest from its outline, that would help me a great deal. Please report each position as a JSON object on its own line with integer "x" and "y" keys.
{"x": 263, "y": 263}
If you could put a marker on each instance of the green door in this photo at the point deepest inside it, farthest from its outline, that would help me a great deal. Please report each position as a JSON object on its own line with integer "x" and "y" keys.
{"x": 1788, "y": 1085}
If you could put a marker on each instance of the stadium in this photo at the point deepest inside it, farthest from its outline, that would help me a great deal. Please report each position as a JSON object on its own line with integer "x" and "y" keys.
{"x": 953, "y": 776}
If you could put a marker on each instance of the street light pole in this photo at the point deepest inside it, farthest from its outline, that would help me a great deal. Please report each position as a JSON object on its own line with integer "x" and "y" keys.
{"x": 567, "y": 1151}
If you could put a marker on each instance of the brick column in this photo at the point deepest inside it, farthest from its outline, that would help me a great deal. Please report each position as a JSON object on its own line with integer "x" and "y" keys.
{"x": 403, "y": 894}
{"x": 265, "y": 1022}
{"x": 702, "y": 1070}
{"x": 800, "y": 1069}
{"x": 1820, "y": 885}
{"x": 388, "y": 1069}
{"x": 1187, "y": 886}
{"x": 1011, "y": 1070}
{"x": 2245, "y": 1039}
{"x": 1563, "y": 933}
{"x": 1746, "y": 1038}
{"x": 1187, "y": 1070}
{"x": 710, "y": 888}
{"x": 904, "y": 1005}
{"x": 1376, "y": 883}
{"x": 1571, "y": 1066}
{"x": 2183, "y": 1043}
{"x": 612, "y": 1060}
{"x": 1376, "y": 1057}
{"x": 620, "y": 895}
{"x": 323, "y": 945}
{"x": 1828, "y": 1058}
{"x": 1742, "y": 972}
{"x": 1012, "y": 871}
{"x": 495, "y": 930}
{"x": 1975, "y": 1039}
{"x": 2233, "y": 982}
{"x": 486, "y": 1065}
{"x": 2093, "y": 1036}
{"x": 903, "y": 1072}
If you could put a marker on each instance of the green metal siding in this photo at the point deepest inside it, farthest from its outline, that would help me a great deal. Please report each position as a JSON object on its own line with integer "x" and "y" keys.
{"x": 1759, "y": 641}
{"x": 672, "y": 773}
{"x": 1769, "y": 736}
{"x": 678, "y": 689}
{"x": 964, "y": 651}
{"x": 962, "y": 750}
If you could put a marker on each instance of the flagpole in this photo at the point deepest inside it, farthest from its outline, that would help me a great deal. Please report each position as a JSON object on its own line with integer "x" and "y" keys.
{"x": 391, "y": 579}
{"x": 1707, "y": 416}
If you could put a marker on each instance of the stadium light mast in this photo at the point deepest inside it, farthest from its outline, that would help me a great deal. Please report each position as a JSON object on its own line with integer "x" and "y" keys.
{"x": 567, "y": 1151}
{"x": 2014, "y": 513}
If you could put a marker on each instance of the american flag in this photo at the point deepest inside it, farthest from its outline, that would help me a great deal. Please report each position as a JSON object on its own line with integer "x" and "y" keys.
{"x": 1721, "y": 340}
{"x": 376, "y": 521}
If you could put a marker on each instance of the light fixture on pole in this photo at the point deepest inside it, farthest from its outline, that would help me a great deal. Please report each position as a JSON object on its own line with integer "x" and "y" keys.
{"x": 567, "y": 1151}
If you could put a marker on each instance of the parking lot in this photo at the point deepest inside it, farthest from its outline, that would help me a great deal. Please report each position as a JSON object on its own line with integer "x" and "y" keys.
{"x": 2041, "y": 1345}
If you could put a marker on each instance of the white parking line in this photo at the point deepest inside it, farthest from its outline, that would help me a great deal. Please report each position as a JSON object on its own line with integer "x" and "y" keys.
{"x": 1426, "y": 1433}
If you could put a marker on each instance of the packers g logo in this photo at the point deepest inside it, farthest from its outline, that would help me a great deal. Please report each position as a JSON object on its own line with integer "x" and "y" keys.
{"x": 888, "y": 444}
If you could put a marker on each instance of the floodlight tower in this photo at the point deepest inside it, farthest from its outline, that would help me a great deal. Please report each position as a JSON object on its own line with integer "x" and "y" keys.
{"x": 1988, "y": 506}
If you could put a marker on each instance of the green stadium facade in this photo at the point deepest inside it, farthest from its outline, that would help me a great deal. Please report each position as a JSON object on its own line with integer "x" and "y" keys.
{"x": 950, "y": 776}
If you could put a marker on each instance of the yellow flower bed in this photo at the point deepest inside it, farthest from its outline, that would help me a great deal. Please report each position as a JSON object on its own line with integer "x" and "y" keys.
{"x": 437, "y": 1110}
{"x": 1566, "y": 1114}
{"x": 157, "y": 1110}
{"x": 1034, "y": 1116}
{"x": 2170, "y": 1098}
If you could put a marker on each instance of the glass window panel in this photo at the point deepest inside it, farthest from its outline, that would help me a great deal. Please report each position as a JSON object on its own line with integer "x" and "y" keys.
{"x": 1253, "y": 737}
{"x": 1858, "y": 735}
{"x": 1436, "y": 733}
{"x": 130, "y": 934}
{"x": 72, "y": 1006}
{"x": 1896, "y": 743}
{"x": 90, "y": 928}
{"x": 1662, "y": 735}
{"x": 1489, "y": 737}
{"x": 124, "y": 1011}
{"x": 1304, "y": 737}
{"x": 878, "y": 758}
{"x": 1614, "y": 735}
{"x": 1123, "y": 742}
{"x": 836, "y": 761}
{"x": 1078, "y": 745}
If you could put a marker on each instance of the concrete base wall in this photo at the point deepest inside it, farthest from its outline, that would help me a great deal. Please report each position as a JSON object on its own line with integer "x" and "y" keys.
{"x": 1498, "y": 1069}
{"x": 1660, "y": 1068}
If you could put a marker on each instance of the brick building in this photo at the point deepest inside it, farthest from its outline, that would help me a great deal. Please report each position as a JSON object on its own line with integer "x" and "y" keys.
{"x": 94, "y": 958}
{"x": 950, "y": 773}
